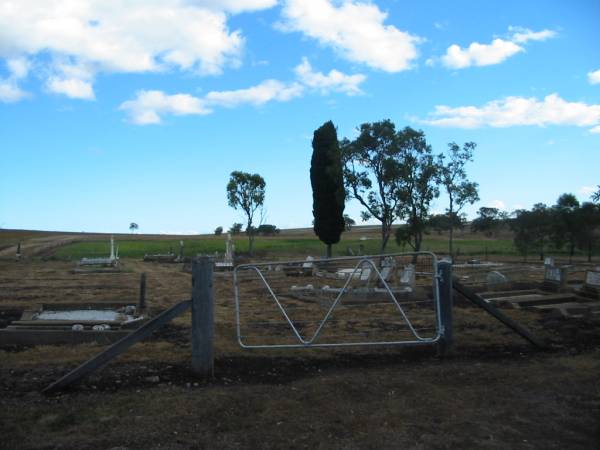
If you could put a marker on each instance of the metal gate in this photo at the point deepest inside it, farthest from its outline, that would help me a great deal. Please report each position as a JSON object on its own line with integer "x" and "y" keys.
{"x": 367, "y": 300}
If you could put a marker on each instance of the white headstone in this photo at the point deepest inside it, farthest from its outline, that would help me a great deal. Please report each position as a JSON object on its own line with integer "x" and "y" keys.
{"x": 112, "y": 248}
{"x": 592, "y": 279}
{"x": 408, "y": 276}
{"x": 554, "y": 274}
{"x": 495, "y": 277}
{"x": 308, "y": 264}
{"x": 549, "y": 261}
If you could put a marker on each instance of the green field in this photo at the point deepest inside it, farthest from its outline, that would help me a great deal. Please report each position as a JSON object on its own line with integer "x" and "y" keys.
{"x": 284, "y": 246}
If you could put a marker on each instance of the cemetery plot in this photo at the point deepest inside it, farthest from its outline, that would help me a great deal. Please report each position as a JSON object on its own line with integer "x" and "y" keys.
{"x": 341, "y": 301}
{"x": 552, "y": 294}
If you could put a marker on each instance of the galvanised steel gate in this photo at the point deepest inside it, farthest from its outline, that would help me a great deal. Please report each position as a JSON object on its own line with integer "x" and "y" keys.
{"x": 367, "y": 300}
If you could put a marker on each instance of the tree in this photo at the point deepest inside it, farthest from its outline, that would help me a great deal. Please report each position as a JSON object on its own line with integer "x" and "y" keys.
{"x": 372, "y": 169}
{"x": 489, "y": 222}
{"x": 349, "y": 221}
{"x": 566, "y": 223}
{"x": 327, "y": 181}
{"x": 588, "y": 228}
{"x": 218, "y": 231}
{"x": 453, "y": 177}
{"x": 133, "y": 226}
{"x": 267, "y": 230}
{"x": 416, "y": 185}
{"x": 442, "y": 222}
{"x": 247, "y": 192}
{"x": 522, "y": 231}
{"x": 236, "y": 228}
{"x": 596, "y": 195}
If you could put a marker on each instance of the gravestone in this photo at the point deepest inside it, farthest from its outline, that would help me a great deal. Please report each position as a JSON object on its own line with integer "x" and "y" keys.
{"x": 496, "y": 279}
{"x": 555, "y": 278}
{"x": 408, "y": 276}
{"x": 592, "y": 281}
{"x": 549, "y": 261}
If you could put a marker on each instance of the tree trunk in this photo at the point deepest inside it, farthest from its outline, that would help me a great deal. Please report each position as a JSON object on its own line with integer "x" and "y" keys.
{"x": 250, "y": 243}
{"x": 328, "y": 251}
{"x": 571, "y": 252}
{"x": 451, "y": 243}
{"x": 385, "y": 235}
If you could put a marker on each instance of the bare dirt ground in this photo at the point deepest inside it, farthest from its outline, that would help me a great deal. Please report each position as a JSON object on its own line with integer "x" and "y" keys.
{"x": 493, "y": 391}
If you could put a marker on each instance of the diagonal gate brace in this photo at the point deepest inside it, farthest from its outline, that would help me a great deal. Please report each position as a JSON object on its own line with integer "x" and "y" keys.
{"x": 470, "y": 295}
{"x": 119, "y": 347}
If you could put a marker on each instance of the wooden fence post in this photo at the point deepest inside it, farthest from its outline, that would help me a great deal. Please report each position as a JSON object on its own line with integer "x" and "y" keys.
{"x": 202, "y": 317}
{"x": 142, "y": 302}
{"x": 445, "y": 289}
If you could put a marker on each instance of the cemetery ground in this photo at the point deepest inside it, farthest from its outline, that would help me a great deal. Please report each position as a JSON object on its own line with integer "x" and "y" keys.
{"x": 494, "y": 391}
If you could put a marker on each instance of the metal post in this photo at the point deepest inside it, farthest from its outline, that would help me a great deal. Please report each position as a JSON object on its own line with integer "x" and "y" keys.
{"x": 202, "y": 317}
{"x": 445, "y": 290}
{"x": 142, "y": 302}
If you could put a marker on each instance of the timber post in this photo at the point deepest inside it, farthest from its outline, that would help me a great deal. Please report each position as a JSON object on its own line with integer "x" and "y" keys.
{"x": 142, "y": 301}
{"x": 446, "y": 302}
{"x": 202, "y": 317}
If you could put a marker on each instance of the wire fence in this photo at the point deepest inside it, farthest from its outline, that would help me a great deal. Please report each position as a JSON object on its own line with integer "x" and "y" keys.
{"x": 367, "y": 300}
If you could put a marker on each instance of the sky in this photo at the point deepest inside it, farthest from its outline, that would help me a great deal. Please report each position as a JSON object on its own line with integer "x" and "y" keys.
{"x": 115, "y": 111}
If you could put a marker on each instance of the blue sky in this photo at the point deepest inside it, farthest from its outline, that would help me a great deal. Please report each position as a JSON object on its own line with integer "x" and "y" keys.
{"x": 113, "y": 112}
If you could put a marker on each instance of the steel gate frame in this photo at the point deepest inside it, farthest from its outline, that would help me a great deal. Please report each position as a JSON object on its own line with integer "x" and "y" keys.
{"x": 310, "y": 343}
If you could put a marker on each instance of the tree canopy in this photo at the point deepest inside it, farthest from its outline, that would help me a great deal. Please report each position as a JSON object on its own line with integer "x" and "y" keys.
{"x": 453, "y": 177}
{"x": 327, "y": 181}
{"x": 247, "y": 192}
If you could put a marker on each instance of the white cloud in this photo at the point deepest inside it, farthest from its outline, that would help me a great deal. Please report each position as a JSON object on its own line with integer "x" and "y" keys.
{"x": 499, "y": 50}
{"x": 356, "y": 30}
{"x": 497, "y": 204}
{"x": 148, "y": 106}
{"x": 595, "y": 130}
{"x": 587, "y": 190}
{"x": 523, "y": 35}
{"x": 10, "y": 91}
{"x": 334, "y": 81}
{"x": 594, "y": 77}
{"x": 71, "y": 87}
{"x": 479, "y": 54}
{"x": 513, "y": 111}
{"x": 118, "y": 36}
{"x": 264, "y": 92}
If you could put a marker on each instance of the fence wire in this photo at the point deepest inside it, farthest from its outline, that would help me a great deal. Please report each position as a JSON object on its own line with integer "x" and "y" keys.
{"x": 367, "y": 300}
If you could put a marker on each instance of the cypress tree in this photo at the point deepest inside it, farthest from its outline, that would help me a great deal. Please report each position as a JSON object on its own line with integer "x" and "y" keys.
{"x": 327, "y": 182}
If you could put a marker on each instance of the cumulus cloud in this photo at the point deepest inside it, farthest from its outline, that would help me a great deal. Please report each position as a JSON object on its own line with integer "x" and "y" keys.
{"x": 268, "y": 90}
{"x": 497, "y": 51}
{"x": 594, "y": 77}
{"x": 334, "y": 81}
{"x": 499, "y": 204}
{"x": 126, "y": 37}
{"x": 513, "y": 111}
{"x": 355, "y": 30}
{"x": 595, "y": 130}
{"x": 10, "y": 91}
{"x": 522, "y": 35}
{"x": 479, "y": 54}
{"x": 587, "y": 190}
{"x": 148, "y": 106}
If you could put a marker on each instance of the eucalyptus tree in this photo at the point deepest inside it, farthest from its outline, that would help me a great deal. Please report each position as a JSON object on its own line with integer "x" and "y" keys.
{"x": 416, "y": 185}
{"x": 247, "y": 192}
{"x": 372, "y": 171}
{"x": 453, "y": 177}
